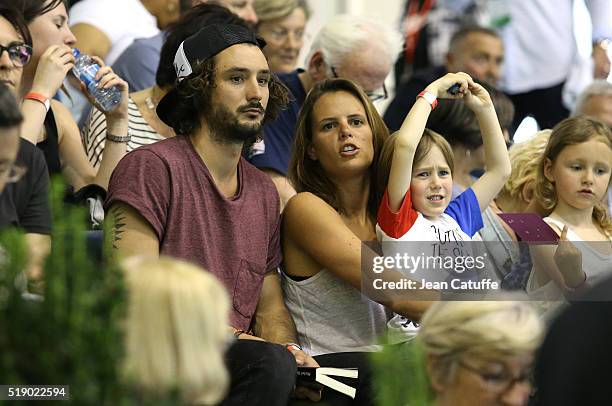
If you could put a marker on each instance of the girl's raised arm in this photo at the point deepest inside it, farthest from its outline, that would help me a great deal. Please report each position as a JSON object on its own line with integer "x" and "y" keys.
{"x": 409, "y": 135}
{"x": 497, "y": 160}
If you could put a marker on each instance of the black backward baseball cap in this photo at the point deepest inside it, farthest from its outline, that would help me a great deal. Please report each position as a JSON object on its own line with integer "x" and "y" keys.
{"x": 204, "y": 44}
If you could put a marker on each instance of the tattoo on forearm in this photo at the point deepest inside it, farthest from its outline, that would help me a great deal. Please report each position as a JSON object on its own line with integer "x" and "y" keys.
{"x": 118, "y": 225}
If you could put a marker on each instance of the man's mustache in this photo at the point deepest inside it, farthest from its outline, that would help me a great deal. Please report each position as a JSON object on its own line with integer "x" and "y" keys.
{"x": 250, "y": 106}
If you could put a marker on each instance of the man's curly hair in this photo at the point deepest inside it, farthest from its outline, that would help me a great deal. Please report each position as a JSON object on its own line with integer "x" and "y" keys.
{"x": 195, "y": 98}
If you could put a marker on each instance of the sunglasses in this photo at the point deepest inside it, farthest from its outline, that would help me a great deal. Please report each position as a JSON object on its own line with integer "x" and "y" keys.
{"x": 18, "y": 53}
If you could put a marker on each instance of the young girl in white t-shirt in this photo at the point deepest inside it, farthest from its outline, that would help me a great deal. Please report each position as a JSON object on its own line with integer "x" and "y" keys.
{"x": 417, "y": 164}
{"x": 572, "y": 181}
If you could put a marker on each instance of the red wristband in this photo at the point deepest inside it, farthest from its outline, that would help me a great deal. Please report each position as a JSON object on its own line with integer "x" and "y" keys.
{"x": 429, "y": 98}
{"x": 293, "y": 347}
{"x": 39, "y": 98}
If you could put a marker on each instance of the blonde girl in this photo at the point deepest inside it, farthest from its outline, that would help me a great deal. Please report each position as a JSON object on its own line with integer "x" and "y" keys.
{"x": 572, "y": 180}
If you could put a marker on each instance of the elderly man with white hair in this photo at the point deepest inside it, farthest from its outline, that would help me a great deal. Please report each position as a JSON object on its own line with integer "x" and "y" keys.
{"x": 349, "y": 47}
{"x": 596, "y": 101}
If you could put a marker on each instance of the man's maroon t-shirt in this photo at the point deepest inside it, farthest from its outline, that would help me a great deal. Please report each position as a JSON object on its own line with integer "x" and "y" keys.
{"x": 236, "y": 239}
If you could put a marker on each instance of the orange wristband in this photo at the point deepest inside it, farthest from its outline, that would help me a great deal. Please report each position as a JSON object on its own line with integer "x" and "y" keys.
{"x": 39, "y": 98}
{"x": 293, "y": 347}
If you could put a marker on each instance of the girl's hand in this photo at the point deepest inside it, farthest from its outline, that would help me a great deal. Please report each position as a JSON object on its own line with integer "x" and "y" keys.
{"x": 477, "y": 98}
{"x": 568, "y": 259}
{"x": 440, "y": 86}
{"x": 54, "y": 65}
{"x": 106, "y": 79}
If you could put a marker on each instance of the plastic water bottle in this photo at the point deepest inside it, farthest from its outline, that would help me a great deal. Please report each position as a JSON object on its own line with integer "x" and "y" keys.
{"x": 85, "y": 69}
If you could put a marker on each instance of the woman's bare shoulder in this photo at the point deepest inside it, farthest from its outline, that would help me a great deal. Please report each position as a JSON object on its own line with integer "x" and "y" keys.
{"x": 305, "y": 206}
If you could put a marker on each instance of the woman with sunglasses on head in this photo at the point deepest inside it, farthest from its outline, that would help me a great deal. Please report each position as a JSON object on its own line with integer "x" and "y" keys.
{"x": 47, "y": 122}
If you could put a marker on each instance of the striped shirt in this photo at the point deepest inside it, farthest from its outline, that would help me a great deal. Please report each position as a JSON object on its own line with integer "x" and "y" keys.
{"x": 93, "y": 134}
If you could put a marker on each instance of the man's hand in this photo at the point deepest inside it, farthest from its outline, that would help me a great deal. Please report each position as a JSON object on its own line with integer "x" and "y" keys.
{"x": 601, "y": 60}
{"x": 304, "y": 360}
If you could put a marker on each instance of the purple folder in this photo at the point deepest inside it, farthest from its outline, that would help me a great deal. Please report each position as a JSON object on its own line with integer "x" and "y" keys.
{"x": 530, "y": 227}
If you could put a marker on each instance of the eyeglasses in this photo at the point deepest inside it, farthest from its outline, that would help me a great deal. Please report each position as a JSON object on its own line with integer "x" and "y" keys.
{"x": 12, "y": 173}
{"x": 500, "y": 382}
{"x": 374, "y": 96}
{"x": 19, "y": 53}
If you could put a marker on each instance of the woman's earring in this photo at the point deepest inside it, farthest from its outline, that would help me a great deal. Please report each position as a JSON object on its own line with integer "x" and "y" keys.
{"x": 468, "y": 153}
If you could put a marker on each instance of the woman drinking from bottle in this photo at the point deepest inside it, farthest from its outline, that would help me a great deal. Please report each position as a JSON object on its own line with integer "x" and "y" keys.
{"x": 48, "y": 123}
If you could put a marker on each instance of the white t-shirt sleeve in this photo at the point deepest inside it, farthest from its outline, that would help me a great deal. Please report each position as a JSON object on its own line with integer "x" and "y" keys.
{"x": 100, "y": 14}
{"x": 601, "y": 17}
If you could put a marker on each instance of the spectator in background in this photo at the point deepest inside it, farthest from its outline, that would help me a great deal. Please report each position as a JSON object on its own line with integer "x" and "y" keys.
{"x": 138, "y": 64}
{"x": 24, "y": 181}
{"x": 596, "y": 101}
{"x": 144, "y": 126}
{"x": 47, "y": 123}
{"x": 428, "y": 27}
{"x": 480, "y": 353}
{"x": 349, "y": 47}
{"x": 282, "y": 24}
{"x": 176, "y": 331}
{"x": 106, "y": 28}
{"x": 545, "y": 70}
{"x": 475, "y": 50}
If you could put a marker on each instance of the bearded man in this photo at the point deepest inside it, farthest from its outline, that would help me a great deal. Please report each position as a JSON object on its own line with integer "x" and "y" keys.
{"x": 194, "y": 197}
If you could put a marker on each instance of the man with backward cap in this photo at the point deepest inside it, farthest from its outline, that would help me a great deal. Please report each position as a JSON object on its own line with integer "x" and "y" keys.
{"x": 194, "y": 197}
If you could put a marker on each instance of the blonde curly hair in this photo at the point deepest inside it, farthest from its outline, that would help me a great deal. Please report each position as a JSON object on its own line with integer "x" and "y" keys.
{"x": 525, "y": 158}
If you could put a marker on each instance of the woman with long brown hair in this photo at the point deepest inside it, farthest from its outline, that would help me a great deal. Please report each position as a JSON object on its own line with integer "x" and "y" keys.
{"x": 339, "y": 137}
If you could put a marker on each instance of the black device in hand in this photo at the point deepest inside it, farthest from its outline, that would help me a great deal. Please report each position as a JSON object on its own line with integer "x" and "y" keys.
{"x": 454, "y": 89}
